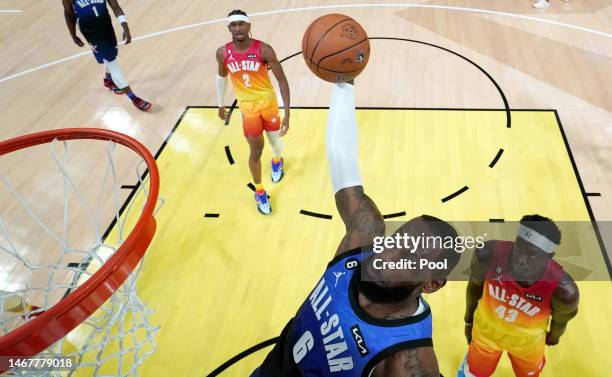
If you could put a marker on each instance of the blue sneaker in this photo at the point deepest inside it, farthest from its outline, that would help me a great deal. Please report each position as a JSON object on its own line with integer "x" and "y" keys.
{"x": 277, "y": 171}
{"x": 263, "y": 205}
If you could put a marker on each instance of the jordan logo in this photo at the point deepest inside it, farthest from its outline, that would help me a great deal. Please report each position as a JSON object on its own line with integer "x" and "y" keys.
{"x": 337, "y": 275}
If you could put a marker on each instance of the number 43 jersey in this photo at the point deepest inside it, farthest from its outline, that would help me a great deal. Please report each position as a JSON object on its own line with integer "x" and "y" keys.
{"x": 510, "y": 309}
{"x": 249, "y": 73}
{"x": 333, "y": 336}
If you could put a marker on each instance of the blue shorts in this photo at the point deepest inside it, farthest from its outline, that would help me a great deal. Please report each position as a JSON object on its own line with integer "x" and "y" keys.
{"x": 102, "y": 40}
{"x": 256, "y": 372}
{"x": 104, "y": 48}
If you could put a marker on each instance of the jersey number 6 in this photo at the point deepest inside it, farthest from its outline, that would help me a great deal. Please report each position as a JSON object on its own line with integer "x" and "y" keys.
{"x": 302, "y": 346}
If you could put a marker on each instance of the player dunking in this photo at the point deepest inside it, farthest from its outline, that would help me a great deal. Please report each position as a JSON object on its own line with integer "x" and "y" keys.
{"x": 515, "y": 288}
{"x": 95, "y": 24}
{"x": 360, "y": 320}
{"x": 247, "y": 61}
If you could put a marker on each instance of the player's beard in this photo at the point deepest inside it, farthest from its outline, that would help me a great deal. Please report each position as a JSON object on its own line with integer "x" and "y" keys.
{"x": 378, "y": 293}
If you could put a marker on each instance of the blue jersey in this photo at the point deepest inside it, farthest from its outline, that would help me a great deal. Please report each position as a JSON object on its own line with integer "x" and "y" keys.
{"x": 333, "y": 336}
{"x": 93, "y": 18}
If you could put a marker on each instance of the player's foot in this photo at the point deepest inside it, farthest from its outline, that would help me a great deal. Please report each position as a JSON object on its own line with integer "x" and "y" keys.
{"x": 263, "y": 205}
{"x": 540, "y": 4}
{"x": 110, "y": 85}
{"x": 141, "y": 104}
{"x": 277, "y": 171}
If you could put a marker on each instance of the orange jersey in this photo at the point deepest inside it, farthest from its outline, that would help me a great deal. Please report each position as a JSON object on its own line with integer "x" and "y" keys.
{"x": 248, "y": 72}
{"x": 510, "y": 309}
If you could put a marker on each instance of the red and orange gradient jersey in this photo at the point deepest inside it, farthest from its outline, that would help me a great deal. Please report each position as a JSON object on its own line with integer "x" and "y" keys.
{"x": 509, "y": 308}
{"x": 248, "y": 72}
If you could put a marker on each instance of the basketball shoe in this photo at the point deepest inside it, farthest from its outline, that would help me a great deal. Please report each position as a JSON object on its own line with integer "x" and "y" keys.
{"x": 263, "y": 205}
{"x": 110, "y": 85}
{"x": 141, "y": 104}
{"x": 277, "y": 171}
{"x": 541, "y": 4}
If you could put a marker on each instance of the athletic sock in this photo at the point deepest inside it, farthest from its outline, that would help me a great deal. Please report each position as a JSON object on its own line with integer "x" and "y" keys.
{"x": 108, "y": 76}
{"x": 259, "y": 188}
{"x": 132, "y": 95}
{"x": 276, "y": 160}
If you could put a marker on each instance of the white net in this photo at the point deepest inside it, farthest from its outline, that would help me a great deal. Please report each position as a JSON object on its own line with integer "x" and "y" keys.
{"x": 55, "y": 235}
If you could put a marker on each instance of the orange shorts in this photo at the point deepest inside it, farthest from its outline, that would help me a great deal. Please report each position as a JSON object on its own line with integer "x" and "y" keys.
{"x": 526, "y": 353}
{"x": 258, "y": 116}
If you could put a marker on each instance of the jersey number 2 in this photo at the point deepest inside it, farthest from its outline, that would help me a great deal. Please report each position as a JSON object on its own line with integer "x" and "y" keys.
{"x": 247, "y": 80}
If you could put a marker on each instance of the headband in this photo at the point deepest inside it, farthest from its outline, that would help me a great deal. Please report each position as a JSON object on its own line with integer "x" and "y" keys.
{"x": 237, "y": 17}
{"x": 536, "y": 239}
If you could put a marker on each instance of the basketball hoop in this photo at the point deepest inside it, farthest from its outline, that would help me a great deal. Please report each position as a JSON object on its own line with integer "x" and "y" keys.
{"x": 53, "y": 321}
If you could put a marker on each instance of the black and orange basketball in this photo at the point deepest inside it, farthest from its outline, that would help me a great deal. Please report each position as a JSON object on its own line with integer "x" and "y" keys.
{"x": 336, "y": 48}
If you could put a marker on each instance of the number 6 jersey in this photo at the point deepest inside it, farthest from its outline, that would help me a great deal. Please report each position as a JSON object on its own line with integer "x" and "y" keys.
{"x": 333, "y": 336}
{"x": 248, "y": 72}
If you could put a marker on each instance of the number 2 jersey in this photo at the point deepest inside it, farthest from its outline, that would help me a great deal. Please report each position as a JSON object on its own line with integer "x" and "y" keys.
{"x": 249, "y": 73}
{"x": 507, "y": 308}
{"x": 331, "y": 335}
{"x": 93, "y": 18}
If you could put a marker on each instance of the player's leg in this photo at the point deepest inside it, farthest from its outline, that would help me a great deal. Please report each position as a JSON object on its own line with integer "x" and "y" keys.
{"x": 271, "y": 123}
{"x": 252, "y": 127}
{"x": 481, "y": 360}
{"x": 107, "y": 51}
{"x": 528, "y": 360}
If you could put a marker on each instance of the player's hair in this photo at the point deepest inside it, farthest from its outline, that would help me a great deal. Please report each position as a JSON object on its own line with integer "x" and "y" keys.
{"x": 443, "y": 230}
{"x": 237, "y": 11}
{"x": 544, "y": 226}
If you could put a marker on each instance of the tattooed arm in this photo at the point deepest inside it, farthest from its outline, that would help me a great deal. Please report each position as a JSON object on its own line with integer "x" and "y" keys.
{"x": 418, "y": 362}
{"x": 361, "y": 218}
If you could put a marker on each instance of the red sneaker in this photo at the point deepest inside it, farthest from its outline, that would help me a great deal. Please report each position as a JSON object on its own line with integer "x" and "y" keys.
{"x": 141, "y": 104}
{"x": 110, "y": 85}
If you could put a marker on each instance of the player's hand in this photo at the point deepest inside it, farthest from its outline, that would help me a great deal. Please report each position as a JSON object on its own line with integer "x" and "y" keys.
{"x": 551, "y": 340}
{"x": 222, "y": 113}
{"x": 78, "y": 41}
{"x": 127, "y": 36}
{"x": 284, "y": 126}
{"x": 468, "y": 332}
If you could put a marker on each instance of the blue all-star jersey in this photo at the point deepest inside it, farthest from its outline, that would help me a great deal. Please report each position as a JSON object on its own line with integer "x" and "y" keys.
{"x": 91, "y": 15}
{"x": 333, "y": 336}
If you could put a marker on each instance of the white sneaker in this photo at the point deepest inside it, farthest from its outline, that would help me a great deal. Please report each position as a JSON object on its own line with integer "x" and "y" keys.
{"x": 541, "y": 4}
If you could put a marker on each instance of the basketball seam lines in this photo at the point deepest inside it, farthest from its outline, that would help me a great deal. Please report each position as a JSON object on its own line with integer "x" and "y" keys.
{"x": 337, "y": 52}
{"x": 324, "y": 34}
{"x": 325, "y": 69}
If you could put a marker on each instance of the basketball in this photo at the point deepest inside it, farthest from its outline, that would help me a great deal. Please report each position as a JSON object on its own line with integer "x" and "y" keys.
{"x": 336, "y": 48}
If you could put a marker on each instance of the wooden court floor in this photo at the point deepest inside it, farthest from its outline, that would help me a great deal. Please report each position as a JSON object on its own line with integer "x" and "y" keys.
{"x": 222, "y": 284}
{"x": 238, "y": 277}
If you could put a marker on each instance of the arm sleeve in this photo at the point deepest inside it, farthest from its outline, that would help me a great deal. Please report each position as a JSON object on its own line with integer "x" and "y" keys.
{"x": 342, "y": 153}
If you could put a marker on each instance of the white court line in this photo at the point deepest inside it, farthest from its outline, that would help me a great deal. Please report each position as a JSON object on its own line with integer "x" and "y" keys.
{"x": 10, "y": 11}
{"x": 304, "y": 9}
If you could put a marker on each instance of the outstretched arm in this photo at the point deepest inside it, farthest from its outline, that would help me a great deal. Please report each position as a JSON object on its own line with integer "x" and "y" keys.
{"x": 564, "y": 303}
{"x": 221, "y": 82}
{"x": 71, "y": 22}
{"x": 361, "y": 218}
{"x": 270, "y": 57}
{"x": 127, "y": 36}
